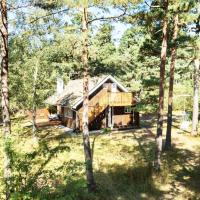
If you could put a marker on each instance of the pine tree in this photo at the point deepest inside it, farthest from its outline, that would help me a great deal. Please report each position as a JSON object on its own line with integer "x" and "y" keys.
{"x": 34, "y": 93}
{"x": 5, "y": 97}
{"x": 161, "y": 87}
{"x": 195, "y": 115}
{"x": 171, "y": 82}
{"x": 86, "y": 138}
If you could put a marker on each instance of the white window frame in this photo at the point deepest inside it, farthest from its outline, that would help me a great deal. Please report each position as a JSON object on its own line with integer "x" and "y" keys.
{"x": 127, "y": 109}
{"x": 114, "y": 85}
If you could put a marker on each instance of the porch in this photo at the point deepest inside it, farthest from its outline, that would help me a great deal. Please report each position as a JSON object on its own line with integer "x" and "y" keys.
{"x": 110, "y": 109}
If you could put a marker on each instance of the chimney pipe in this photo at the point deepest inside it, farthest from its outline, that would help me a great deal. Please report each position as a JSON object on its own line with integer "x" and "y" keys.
{"x": 60, "y": 86}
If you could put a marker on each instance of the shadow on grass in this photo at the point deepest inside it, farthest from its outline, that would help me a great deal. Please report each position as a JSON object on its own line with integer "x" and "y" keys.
{"x": 185, "y": 168}
{"x": 30, "y": 172}
{"x": 119, "y": 182}
{"x": 127, "y": 183}
{"x": 34, "y": 179}
{"x": 190, "y": 178}
{"x": 148, "y": 120}
{"x": 181, "y": 130}
{"x": 132, "y": 180}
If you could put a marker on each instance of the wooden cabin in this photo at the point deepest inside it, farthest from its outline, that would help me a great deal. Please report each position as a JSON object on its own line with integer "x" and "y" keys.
{"x": 110, "y": 104}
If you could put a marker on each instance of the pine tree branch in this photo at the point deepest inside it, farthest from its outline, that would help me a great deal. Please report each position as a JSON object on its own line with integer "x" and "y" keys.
{"x": 191, "y": 61}
{"x": 50, "y": 14}
{"x": 150, "y": 6}
{"x": 108, "y": 18}
{"x": 11, "y": 7}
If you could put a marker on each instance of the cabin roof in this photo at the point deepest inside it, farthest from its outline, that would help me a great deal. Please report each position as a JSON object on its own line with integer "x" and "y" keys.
{"x": 72, "y": 94}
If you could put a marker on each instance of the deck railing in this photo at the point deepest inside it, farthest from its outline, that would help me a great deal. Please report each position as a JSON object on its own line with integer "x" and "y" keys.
{"x": 104, "y": 99}
{"x": 117, "y": 99}
{"x": 121, "y": 99}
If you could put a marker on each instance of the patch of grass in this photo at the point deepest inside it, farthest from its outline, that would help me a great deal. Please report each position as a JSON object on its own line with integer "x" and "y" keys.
{"x": 54, "y": 168}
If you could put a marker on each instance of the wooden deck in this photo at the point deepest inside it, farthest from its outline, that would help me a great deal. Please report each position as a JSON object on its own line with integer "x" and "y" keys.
{"x": 104, "y": 98}
{"x": 41, "y": 119}
{"x": 121, "y": 99}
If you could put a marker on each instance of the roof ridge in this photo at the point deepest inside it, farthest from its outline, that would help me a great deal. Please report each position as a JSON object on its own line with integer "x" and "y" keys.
{"x": 90, "y": 77}
{"x": 77, "y": 90}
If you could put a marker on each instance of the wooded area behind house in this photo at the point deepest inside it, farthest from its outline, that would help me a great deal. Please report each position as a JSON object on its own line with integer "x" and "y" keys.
{"x": 100, "y": 99}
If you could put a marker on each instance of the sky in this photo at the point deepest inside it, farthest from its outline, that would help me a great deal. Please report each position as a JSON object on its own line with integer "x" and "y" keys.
{"x": 118, "y": 31}
{"x": 119, "y": 27}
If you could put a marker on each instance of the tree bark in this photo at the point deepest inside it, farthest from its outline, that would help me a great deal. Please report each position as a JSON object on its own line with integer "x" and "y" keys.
{"x": 136, "y": 118}
{"x": 195, "y": 98}
{"x": 161, "y": 88}
{"x": 196, "y": 81}
{"x": 171, "y": 84}
{"x": 86, "y": 139}
{"x": 5, "y": 97}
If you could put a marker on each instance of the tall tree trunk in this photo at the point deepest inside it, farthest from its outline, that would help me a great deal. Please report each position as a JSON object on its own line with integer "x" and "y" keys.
{"x": 34, "y": 126}
{"x": 161, "y": 88}
{"x": 196, "y": 97}
{"x": 5, "y": 96}
{"x": 171, "y": 84}
{"x": 195, "y": 114}
{"x": 86, "y": 138}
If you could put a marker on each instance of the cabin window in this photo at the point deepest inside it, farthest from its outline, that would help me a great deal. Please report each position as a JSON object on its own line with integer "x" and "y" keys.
{"x": 127, "y": 109}
{"x": 114, "y": 87}
{"x": 68, "y": 113}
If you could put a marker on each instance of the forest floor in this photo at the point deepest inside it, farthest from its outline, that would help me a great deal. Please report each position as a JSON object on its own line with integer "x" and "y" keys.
{"x": 52, "y": 167}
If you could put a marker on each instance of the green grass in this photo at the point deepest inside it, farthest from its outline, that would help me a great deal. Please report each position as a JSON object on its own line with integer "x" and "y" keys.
{"x": 123, "y": 166}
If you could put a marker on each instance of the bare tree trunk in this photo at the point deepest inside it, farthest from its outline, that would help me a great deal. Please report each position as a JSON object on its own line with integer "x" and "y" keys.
{"x": 5, "y": 97}
{"x": 196, "y": 97}
{"x": 196, "y": 81}
{"x": 161, "y": 88}
{"x": 34, "y": 126}
{"x": 171, "y": 84}
{"x": 86, "y": 139}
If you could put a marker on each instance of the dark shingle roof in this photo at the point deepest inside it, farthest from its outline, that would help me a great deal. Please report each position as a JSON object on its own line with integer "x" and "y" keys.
{"x": 72, "y": 92}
